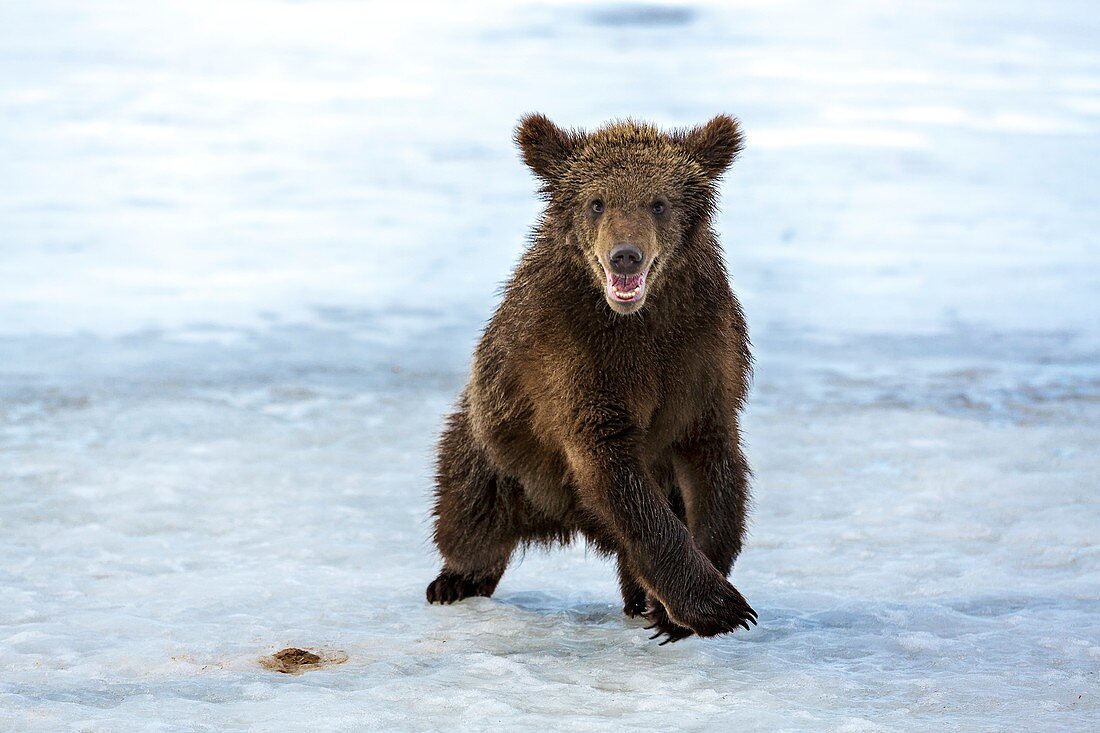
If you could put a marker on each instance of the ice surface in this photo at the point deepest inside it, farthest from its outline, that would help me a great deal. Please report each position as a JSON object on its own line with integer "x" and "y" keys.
{"x": 247, "y": 247}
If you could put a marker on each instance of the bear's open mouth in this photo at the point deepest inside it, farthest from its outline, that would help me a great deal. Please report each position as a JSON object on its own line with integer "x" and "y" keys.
{"x": 626, "y": 288}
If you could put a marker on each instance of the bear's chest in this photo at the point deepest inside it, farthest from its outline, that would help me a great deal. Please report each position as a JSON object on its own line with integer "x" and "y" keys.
{"x": 662, "y": 386}
{"x": 680, "y": 395}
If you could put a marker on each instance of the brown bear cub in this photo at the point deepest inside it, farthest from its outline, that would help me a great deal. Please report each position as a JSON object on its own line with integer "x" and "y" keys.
{"x": 605, "y": 394}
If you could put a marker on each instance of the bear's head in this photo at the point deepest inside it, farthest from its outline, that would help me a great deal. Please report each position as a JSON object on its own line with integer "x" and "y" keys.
{"x": 628, "y": 196}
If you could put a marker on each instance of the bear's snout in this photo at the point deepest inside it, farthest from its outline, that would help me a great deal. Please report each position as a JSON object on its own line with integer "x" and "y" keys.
{"x": 626, "y": 259}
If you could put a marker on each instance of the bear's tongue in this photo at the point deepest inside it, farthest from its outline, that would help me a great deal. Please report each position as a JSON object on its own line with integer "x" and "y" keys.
{"x": 625, "y": 288}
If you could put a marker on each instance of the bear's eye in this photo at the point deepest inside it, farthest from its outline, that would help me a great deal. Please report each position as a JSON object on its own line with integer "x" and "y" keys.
{"x": 657, "y": 207}
{"x": 597, "y": 206}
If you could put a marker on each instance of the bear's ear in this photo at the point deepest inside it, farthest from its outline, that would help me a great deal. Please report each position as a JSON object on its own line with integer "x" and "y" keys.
{"x": 713, "y": 145}
{"x": 546, "y": 147}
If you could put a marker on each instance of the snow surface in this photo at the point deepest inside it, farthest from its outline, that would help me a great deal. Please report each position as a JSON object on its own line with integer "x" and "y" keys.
{"x": 248, "y": 246}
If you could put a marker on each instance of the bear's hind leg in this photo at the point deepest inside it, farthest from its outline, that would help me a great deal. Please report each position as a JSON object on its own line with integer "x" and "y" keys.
{"x": 450, "y": 586}
{"x": 478, "y": 518}
{"x": 634, "y": 595}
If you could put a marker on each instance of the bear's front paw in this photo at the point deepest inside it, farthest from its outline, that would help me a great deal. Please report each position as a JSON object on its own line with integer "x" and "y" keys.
{"x": 663, "y": 625}
{"x": 721, "y": 610}
{"x": 450, "y": 587}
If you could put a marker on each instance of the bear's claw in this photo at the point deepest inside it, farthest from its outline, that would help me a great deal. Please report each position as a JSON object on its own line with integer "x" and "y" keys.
{"x": 722, "y": 613}
{"x": 659, "y": 620}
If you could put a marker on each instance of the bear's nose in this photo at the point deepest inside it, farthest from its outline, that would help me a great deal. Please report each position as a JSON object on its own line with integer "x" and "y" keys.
{"x": 626, "y": 259}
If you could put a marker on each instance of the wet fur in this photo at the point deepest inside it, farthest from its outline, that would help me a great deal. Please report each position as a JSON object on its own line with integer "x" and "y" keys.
{"x": 622, "y": 428}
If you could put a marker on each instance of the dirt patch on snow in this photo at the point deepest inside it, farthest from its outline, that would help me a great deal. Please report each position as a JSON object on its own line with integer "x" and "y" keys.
{"x": 296, "y": 661}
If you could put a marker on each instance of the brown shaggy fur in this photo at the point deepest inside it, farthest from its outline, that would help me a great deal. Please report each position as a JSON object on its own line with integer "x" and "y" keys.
{"x": 617, "y": 420}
